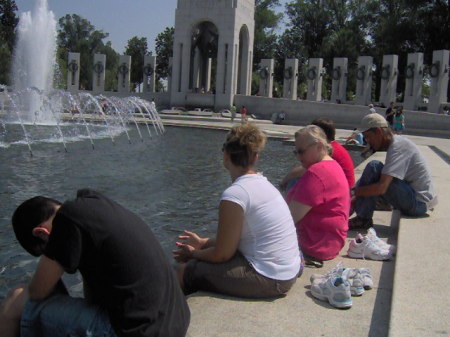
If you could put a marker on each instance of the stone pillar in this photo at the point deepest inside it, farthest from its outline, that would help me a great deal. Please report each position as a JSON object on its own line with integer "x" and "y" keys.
{"x": 389, "y": 75}
{"x": 314, "y": 76}
{"x": 439, "y": 80}
{"x": 208, "y": 74}
{"x": 98, "y": 74}
{"x": 339, "y": 80}
{"x": 290, "y": 79}
{"x": 196, "y": 71}
{"x": 169, "y": 76}
{"x": 364, "y": 80}
{"x": 266, "y": 78}
{"x": 73, "y": 72}
{"x": 149, "y": 73}
{"x": 123, "y": 72}
{"x": 413, "y": 81}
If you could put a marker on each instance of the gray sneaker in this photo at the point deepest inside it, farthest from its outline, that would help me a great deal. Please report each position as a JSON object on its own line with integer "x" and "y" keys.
{"x": 333, "y": 289}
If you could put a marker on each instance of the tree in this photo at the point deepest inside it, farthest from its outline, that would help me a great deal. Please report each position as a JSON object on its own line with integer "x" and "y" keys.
{"x": 266, "y": 20}
{"x": 8, "y": 22}
{"x": 76, "y": 34}
{"x": 164, "y": 50}
{"x": 136, "y": 48}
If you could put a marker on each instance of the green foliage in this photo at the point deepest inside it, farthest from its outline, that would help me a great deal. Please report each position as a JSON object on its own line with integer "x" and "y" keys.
{"x": 266, "y": 20}
{"x": 5, "y": 61}
{"x": 8, "y": 23}
{"x": 136, "y": 48}
{"x": 163, "y": 49}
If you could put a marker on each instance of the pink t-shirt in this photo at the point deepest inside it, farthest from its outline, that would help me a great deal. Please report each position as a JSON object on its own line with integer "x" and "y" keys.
{"x": 323, "y": 230}
{"x": 341, "y": 155}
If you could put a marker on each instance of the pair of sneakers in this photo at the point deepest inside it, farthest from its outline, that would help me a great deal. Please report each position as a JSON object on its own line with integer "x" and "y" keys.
{"x": 340, "y": 284}
{"x": 370, "y": 246}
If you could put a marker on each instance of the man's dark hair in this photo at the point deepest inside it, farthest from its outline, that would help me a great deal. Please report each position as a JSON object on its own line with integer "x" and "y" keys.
{"x": 29, "y": 215}
{"x": 327, "y": 126}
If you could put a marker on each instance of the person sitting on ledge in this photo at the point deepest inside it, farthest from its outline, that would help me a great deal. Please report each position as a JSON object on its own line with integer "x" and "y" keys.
{"x": 404, "y": 181}
{"x": 130, "y": 287}
{"x": 340, "y": 154}
{"x": 255, "y": 253}
{"x": 320, "y": 200}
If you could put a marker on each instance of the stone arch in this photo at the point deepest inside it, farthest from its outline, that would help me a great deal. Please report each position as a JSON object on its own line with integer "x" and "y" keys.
{"x": 203, "y": 55}
{"x": 243, "y": 59}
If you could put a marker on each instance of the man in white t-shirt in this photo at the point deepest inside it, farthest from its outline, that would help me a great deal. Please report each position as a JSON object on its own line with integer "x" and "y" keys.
{"x": 372, "y": 109}
{"x": 404, "y": 181}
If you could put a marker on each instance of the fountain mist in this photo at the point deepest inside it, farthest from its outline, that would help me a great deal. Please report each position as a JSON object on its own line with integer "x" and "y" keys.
{"x": 34, "y": 59}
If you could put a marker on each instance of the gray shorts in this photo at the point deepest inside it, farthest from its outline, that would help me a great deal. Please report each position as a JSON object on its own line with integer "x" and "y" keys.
{"x": 62, "y": 315}
{"x": 235, "y": 277}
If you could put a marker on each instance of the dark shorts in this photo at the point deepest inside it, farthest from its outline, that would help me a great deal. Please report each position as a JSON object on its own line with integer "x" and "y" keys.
{"x": 235, "y": 277}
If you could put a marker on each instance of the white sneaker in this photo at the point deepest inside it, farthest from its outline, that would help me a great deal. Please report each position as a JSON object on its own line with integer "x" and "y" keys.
{"x": 354, "y": 276}
{"x": 333, "y": 289}
{"x": 362, "y": 248}
{"x": 372, "y": 235}
{"x": 366, "y": 277}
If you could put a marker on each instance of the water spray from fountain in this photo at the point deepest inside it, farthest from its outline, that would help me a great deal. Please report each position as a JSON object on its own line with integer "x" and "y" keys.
{"x": 53, "y": 115}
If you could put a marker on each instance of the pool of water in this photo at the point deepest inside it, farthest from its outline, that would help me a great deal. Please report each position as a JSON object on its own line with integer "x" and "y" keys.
{"x": 173, "y": 182}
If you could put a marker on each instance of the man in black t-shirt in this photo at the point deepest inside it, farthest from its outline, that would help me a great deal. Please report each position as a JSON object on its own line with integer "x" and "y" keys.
{"x": 130, "y": 288}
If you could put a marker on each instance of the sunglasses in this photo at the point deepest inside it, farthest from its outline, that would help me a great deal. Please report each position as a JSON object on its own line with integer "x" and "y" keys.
{"x": 300, "y": 152}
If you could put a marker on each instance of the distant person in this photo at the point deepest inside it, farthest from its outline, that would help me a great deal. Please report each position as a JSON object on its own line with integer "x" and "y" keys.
{"x": 339, "y": 153}
{"x": 372, "y": 109}
{"x": 153, "y": 104}
{"x": 404, "y": 180}
{"x": 129, "y": 286}
{"x": 255, "y": 252}
{"x": 356, "y": 138}
{"x": 390, "y": 112}
{"x": 399, "y": 121}
{"x": 320, "y": 200}
{"x": 243, "y": 115}
{"x": 233, "y": 113}
{"x": 446, "y": 110}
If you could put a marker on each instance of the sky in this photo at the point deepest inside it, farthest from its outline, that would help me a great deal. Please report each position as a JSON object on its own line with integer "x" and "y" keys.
{"x": 122, "y": 19}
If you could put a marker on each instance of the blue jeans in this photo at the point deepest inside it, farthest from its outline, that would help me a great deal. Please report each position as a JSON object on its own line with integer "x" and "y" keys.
{"x": 62, "y": 315}
{"x": 399, "y": 194}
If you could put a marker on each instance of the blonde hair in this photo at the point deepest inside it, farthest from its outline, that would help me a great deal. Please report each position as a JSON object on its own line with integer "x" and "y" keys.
{"x": 315, "y": 134}
{"x": 243, "y": 143}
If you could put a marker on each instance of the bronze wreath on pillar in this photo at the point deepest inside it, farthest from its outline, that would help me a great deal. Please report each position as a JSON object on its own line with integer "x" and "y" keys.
{"x": 148, "y": 70}
{"x": 434, "y": 69}
{"x": 337, "y": 74}
{"x": 361, "y": 73}
{"x": 123, "y": 68}
{"x": 409, "y": 73}
{"x": 386, "y": 72}
{"x": 288, "y": 73}
{"x": 73, "y": 66}
{"x": 98, "y": 68}
{"x": 264, "y": 73}
{"x": 311, "y": 74}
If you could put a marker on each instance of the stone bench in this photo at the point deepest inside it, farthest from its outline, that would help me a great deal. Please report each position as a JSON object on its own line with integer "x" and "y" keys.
{"x": 421, "y": 292}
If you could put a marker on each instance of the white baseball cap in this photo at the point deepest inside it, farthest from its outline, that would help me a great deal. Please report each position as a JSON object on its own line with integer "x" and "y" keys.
{"x": 374, "y": 120}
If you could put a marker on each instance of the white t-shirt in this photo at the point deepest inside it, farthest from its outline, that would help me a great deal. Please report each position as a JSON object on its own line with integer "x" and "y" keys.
{"x": 268, "y": 239}
{"x": 405, "y": 162}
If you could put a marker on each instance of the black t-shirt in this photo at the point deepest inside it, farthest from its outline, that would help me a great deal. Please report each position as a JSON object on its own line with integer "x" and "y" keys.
{"x": 122, "y": 265}
{"x": 390, "y": 118}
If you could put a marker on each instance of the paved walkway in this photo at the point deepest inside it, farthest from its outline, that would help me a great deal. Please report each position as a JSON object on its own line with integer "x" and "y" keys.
{"x": 421, "y": 296}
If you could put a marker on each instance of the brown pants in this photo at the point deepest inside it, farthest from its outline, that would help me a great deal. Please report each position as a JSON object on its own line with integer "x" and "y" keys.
{"x": 235, "y": 277}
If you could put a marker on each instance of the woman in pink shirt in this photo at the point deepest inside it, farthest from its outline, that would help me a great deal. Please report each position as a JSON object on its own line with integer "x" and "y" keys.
{"x": 320, "y": 200}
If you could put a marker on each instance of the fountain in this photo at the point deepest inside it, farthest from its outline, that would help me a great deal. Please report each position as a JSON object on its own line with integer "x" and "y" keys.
{"x": 44, "y": 114}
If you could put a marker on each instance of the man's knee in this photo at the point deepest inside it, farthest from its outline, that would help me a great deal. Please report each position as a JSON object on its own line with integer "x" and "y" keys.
{"x": 372, "y": 171}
